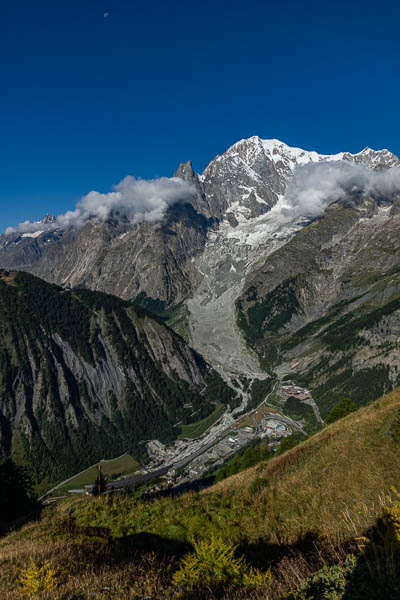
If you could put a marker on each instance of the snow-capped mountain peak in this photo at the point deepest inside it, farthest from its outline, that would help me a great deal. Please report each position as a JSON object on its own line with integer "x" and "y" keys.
{"x": 47, "y": 219}
{"x": 276, "y": 150}
{"x": 251, "y": 176}
{"x": 374, "y": 159}
{"x": 249, "y": 149}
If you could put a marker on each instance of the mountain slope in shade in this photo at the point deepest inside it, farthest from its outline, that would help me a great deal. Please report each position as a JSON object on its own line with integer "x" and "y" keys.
{"x": 84, "y": 374}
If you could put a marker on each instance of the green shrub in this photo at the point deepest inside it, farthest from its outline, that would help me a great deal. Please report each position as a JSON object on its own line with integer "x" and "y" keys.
{"x": 381, "y": 548}
{"x": 257, "y": 485}
{"x": 213, "y": 563}
{"x": 374, "y": 574}
{"x": 329, "y": 583}
{"x": 344, "y": 407}
{"x": 395, "y": 428}
{"x": 289, "y": 442}
{"x": 247, "y": 457}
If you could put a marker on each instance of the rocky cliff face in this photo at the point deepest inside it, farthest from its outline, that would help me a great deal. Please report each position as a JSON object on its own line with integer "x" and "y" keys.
{"x": 84, "y": 374}
{"x": 156, "y": 259}
{"x": 114, "y": 256}
{"x": 251, "y": 176}
{"x": 235, "y": 249}
{"x": 19, "y": 251}
{"x": 325, "y": 306}
{"x": 258, "y": 253}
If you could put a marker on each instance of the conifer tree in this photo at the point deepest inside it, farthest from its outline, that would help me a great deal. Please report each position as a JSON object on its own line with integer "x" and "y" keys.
{"x": 17, "y": 497}
{"x": 100, "y": 484}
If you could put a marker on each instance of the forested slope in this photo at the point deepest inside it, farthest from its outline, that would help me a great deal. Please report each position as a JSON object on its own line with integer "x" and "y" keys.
{"x": 325, "y": 307}
{"x": 85, "y": 375}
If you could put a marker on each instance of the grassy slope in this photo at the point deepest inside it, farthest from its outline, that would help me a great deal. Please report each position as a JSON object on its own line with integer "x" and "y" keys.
{"x": 123, "y": 465}
{"x": 342, "y": 469}
{"x": 195, "y": 430}
{"x": 328, "y": 486}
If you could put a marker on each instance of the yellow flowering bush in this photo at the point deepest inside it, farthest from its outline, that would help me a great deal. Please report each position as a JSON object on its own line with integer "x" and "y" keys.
{"x": 35, "y": 579}
{"x": 394, "y": 513}
{"x": 213, "y": 563}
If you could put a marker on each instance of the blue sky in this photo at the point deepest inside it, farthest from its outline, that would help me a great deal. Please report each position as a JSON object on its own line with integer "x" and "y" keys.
{"x": 88, "y": 98}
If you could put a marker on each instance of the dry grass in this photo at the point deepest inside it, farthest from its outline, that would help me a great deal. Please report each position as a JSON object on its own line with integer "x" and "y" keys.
{"x": 90, "y": 567}
{"x": 257, "y": 416}
{"x": 86, "y": 565}
{"x": 307, "y": 491}
{"x": 341, "y": 469}
{"x": 8, "y": 277}
{"x": 316, "y": 499}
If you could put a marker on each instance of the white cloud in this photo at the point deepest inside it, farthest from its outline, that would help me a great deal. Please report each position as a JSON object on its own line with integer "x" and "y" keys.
{"x": 137, "y": 199}
{"x": 315, "y": 186}
{"x": 311, "y": 190}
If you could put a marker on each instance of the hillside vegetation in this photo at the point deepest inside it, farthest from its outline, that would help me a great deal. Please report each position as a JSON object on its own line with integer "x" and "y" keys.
{"x": 343, "y": 468}
{"x": 86, "y": 376}
{"x": 324, "y": 309}
{"x": 296, "y": 513}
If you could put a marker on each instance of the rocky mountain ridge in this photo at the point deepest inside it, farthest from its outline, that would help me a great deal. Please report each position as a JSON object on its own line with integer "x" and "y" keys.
{"x": 233, "y": 243}
{"x": 241, "y": 246}
{"x": 326, "y": 305}
{"x": 156, "y": 259}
